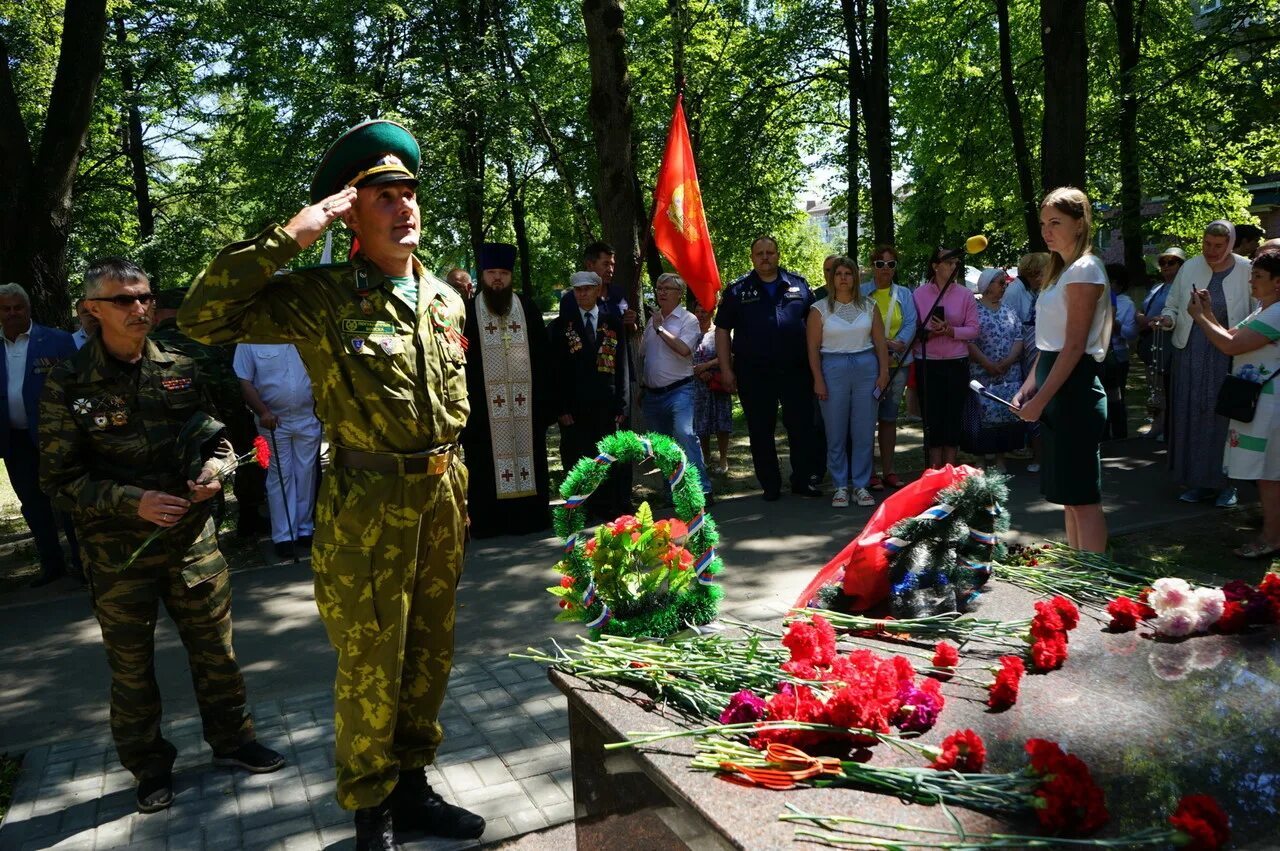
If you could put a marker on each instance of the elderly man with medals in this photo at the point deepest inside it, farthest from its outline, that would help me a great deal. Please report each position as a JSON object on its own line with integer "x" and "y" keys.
{"x": 381, "y": 338}
{"x": 505, "y": 440}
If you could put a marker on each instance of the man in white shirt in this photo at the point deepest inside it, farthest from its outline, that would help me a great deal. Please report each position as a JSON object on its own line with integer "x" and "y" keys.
{"x": 276, "y": 386}
{"x": 667, "y": 345}
{"x": 88, "y": 324}
{"x": 31, "y": 351}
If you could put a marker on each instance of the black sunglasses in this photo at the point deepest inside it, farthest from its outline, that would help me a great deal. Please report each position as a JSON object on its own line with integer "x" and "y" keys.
{"x": 1169, "y": 261}
{"x": 885, "y": 264}
{"x": 126, "y": 300}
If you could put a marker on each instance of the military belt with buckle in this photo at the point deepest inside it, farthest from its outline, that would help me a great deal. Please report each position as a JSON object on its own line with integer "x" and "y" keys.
{"x": 432, "y": 462}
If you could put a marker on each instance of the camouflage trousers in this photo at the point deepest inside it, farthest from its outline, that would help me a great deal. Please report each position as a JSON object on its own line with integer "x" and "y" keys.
{"x": 387, "y": 557}
{"x": 196, "y": 591}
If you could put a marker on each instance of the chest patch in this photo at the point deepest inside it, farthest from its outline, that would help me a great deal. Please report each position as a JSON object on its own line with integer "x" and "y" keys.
{"x": 174, "y": 384}
{"x": 367, "y": 327}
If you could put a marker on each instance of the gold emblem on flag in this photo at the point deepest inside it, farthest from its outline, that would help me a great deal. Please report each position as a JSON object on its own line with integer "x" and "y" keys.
{"x": 685, "y": 210}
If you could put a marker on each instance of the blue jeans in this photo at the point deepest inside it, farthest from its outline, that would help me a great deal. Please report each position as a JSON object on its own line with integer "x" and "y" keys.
{"x": 671, "y": 413}
{"x": 849, "y": 414}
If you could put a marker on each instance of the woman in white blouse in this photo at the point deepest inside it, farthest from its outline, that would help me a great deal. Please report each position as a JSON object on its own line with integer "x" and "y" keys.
{"x": 849, "y": 360}
{"x": 1073, "y": 325}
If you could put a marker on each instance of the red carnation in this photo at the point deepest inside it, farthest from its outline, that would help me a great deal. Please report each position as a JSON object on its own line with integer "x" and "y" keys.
{"x": 1234, "y": 618}
{"x": 1069, "y": 800}
{"x": 1202, "y": 822}
{"x": 1044, "y": 754}
{"x": 963, "y": 750}
{"x": 1067, "y": 611}
{"x": 262, "y": 452}
{"x": 1004, "y": 691}
{"x": 1270, "y": 586}
{"x": 1125, "y": 614}
{"x": 1048, "y": 654}
{"x": 1047, "y": 621}
{"x": 945, "y": 655}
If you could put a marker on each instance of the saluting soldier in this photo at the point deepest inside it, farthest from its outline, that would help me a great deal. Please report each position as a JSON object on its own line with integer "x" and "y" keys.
{"x": 381, "y": 338}
{"x": 127, "y": 445}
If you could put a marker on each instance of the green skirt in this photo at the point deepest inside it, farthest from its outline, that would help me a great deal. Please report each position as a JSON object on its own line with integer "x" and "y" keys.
{"x": 1074, "y": 419}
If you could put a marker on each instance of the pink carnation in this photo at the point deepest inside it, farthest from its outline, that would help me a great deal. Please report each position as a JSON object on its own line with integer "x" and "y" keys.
{"x": 1177, "y": 622}
{"x": 1169, "y": 593}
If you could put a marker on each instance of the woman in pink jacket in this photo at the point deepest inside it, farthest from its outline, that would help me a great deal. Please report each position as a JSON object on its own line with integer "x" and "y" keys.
{"x": 942, "y": 354}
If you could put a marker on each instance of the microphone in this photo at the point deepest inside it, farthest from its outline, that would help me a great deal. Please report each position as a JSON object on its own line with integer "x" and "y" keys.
{"x": 975, "y": 244}
{"x": 976, "y": 386}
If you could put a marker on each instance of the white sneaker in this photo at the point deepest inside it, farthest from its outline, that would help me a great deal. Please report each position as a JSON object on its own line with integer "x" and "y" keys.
{"x": 841, "y": 499}
{"x": 864, "y": 497}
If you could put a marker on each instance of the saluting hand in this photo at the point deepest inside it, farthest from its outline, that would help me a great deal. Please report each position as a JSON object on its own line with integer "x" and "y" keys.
{"x": 312, "y": 221}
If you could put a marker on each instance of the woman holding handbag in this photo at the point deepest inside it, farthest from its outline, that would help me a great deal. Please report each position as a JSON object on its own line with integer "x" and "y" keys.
{"x": 1253, "y": 444}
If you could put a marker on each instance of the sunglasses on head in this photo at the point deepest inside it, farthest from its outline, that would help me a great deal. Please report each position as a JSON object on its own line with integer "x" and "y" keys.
{"x": 127, "y": 300}
{"x": 885, "y": 264}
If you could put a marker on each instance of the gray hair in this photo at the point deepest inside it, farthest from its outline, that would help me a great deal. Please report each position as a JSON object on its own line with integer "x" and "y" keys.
{"x": 669, "y": 278}
{"x": 584, "y": 278}
{"x": 15, "y": 289}
{"x": 111, "y": 269}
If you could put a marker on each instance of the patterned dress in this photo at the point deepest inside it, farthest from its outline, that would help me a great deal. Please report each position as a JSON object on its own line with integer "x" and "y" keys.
{"x": 1197, "y": 434}
{"x": 1251, "y": 453}
{"x": 712, "y": 410}
{"x": 990, "y": 426}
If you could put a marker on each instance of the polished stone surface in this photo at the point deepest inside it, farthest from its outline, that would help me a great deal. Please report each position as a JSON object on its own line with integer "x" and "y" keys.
{"x": 1154, "y": 720}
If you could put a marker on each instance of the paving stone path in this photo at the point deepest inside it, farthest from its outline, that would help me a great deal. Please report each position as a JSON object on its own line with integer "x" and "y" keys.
{"x": 505, "y": 756}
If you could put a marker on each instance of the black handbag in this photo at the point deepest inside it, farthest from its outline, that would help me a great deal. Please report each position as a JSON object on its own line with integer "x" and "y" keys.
{"x": 1238, "y": 398}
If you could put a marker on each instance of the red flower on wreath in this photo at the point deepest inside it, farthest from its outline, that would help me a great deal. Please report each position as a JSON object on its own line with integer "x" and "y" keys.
{"x": 625, "y": 524}
{"x": 566, "y": 581}
{"x": 1202, "y": 822}
{"x": 261, "y": 452}
{"x": 1125, "y": 614}
{"x": 963, "y": 750}
{"x": 1003, "y": 693}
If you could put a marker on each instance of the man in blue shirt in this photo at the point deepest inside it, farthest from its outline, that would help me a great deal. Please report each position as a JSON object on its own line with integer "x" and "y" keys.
{"x": 31, "y": 351}
{"x": 761, "y": 323}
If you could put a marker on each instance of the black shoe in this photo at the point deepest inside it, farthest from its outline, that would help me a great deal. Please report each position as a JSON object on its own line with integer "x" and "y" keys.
{"x": 374, "y": 829}
{"x": 284, "y": 549}
{"x": 304, "y": 542}
{"x": 252, "y": 757}
{"x": 155, "y": 793}
{"x": 771, "y": 496}
{"x": 415, "y": 806}
{"x": 806, "y": 490}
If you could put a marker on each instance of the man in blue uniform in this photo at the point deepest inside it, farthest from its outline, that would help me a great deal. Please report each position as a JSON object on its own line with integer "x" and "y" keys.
{"x": 763, "y": 313}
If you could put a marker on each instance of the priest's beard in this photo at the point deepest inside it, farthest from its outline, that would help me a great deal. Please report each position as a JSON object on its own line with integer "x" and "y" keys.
{"x": 498, "y": 301}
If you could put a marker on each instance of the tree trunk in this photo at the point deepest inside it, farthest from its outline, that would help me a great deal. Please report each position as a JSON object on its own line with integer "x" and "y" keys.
{"x": 1021, "y": 153}
{"x": 131, "y": 134}
{"x": 515, "y": 195}
{"x": 610, "y": 111}
{"x": 472, "y": 116}
{"x": 1066, "y": 89}
{"x": 1129, "y": 36}
{"x": 875, "y": 110}
{"x": 35, "y": 194}
{"x": 854, "y": 92}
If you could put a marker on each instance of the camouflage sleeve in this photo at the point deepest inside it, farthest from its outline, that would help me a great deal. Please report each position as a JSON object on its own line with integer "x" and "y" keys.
{"x": 239, "y": 297}
{"x": 63, "y": 475}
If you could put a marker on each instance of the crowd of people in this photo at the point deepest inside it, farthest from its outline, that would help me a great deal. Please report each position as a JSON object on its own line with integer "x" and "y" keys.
{"x": 436, "y": 398}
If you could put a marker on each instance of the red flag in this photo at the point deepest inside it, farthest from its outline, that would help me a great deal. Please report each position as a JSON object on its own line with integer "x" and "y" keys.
{"x": 679, "y": 223}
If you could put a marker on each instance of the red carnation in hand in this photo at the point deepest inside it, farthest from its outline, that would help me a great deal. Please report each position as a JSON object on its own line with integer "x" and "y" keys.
{"x": 945, "y": 655}
{"x": 963, "y": 750}
{"x": 1202, "y": 822}
{"x": 1004, "y": 691}
{"x": 262, "y": 452}
{"x": 1125, "y": 614}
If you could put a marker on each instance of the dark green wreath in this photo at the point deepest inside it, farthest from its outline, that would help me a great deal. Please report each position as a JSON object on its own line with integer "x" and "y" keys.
{"x": 942, "y": 559}
{"x": 694, "y": 606}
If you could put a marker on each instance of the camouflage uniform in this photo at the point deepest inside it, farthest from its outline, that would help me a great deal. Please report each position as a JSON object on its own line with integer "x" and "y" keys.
{"x": 387, "y": 554}
{"x": 250, "y": 484}
{"x": 108, "y": 433}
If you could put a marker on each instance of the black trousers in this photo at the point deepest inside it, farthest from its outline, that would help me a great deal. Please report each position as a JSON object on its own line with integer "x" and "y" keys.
{"x": 943, "y": 387}
{"x": 763, "y": 390}
{"x": 577, "y": 441}
{"x": 23, "y": 464}
{"x": 1114, "y": 377}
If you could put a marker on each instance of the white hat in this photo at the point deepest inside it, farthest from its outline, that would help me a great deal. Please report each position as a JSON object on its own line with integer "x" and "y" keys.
{"x": 1174, "y": 251}
{"x": 988, "y": 277}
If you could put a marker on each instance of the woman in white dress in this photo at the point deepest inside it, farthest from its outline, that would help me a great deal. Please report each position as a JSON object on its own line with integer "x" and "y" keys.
{"x": 1253, "y": 448}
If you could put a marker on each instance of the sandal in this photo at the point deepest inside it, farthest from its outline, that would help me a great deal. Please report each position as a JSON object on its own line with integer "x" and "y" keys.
{"x": 1256, "y": 550}
{"x": 892, "y": 480}
{"x": 875, "y": 484}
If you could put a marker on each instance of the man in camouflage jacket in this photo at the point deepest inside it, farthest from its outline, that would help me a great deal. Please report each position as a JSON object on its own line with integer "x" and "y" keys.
{"x": 123, "y": 432}
{"x": 381, "y": 339}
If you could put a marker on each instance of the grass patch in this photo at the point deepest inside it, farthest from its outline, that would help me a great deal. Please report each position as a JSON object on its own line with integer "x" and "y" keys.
{"x": 1198, "y": 549}
{"x": 9, "y": 767}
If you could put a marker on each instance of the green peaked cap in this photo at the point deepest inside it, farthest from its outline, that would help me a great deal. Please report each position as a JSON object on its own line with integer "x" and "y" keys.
{"x": 370, "y": 153}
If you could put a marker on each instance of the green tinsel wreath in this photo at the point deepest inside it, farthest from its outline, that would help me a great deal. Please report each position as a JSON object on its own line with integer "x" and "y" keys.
{"x": 695, "y": 605}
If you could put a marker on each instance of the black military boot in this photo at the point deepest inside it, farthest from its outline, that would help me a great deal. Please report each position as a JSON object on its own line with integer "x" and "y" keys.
{"x": 374, "y": 830}
{"x": 415, "y": 806}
